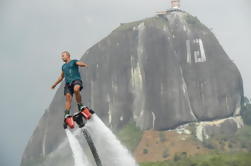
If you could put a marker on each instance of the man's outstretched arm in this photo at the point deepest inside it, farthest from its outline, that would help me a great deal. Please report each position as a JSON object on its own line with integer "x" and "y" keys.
{"x": 60, "y": 78}
{"x": 81, "y": 64}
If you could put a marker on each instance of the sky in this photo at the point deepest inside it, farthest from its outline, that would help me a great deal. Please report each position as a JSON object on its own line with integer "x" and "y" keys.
{"x": 33, "y": 33}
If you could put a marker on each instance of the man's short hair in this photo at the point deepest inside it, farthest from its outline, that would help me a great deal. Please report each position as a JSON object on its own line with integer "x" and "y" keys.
{"x": 67, "y": 53}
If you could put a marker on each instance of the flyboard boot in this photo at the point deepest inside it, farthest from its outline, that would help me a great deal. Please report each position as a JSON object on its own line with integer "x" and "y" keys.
{"x": 85, "y": 111}
{"x": 80, "y": 117}
{"x": 68, "y": 120}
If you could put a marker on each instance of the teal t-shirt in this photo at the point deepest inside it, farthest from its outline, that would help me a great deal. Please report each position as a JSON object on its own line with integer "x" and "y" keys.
{"x": 71, "y": 71}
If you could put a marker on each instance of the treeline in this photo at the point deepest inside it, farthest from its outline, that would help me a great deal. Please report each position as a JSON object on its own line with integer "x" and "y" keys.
{"x": 246, "y": 111}
{"x": 214, "y": 159}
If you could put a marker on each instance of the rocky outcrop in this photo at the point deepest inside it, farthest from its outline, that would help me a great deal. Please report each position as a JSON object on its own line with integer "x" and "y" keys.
{"x": 160, "y": 72}
{"x": 226, "y": 127}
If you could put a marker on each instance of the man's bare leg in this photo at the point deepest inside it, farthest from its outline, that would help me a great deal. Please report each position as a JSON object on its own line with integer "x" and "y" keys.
{"x": 78, "y": 97}
{"x": 77, "y": 94}
{"x": 68, "y": 98}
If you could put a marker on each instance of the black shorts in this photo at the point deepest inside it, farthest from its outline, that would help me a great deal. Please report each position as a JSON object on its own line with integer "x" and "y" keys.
{"x": 69, "y": 88}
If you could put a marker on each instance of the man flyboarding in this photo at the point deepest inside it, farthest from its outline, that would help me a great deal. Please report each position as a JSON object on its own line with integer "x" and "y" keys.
{"x": 73, "y": 84}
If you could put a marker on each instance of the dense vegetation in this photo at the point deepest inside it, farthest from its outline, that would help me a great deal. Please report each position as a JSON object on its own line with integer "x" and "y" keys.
{"x": 130, "y": 135}
{"x": 246, "y": 111}
{"x": 214, "y": 159}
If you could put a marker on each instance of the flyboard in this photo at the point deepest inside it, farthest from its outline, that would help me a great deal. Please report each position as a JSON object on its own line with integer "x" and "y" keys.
{"x": 81, "y": 119}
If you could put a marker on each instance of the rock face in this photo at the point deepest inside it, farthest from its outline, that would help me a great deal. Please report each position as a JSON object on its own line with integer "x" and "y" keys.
{"x": 227, "y": 127}
{"x": 160, "y": 72}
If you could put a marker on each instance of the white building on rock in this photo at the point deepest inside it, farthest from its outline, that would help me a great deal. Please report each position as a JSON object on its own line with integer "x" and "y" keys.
{"x": 175, "y": 4}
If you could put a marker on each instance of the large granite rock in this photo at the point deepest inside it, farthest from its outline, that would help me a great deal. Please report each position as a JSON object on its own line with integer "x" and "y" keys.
{"x": 160, "y": 72}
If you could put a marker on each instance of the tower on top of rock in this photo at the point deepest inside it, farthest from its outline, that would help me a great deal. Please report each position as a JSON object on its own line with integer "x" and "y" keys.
{"x": 175, "y": 4}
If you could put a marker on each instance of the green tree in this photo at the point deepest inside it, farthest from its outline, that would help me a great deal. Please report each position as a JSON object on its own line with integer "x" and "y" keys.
{"x": 246, "y": 111}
